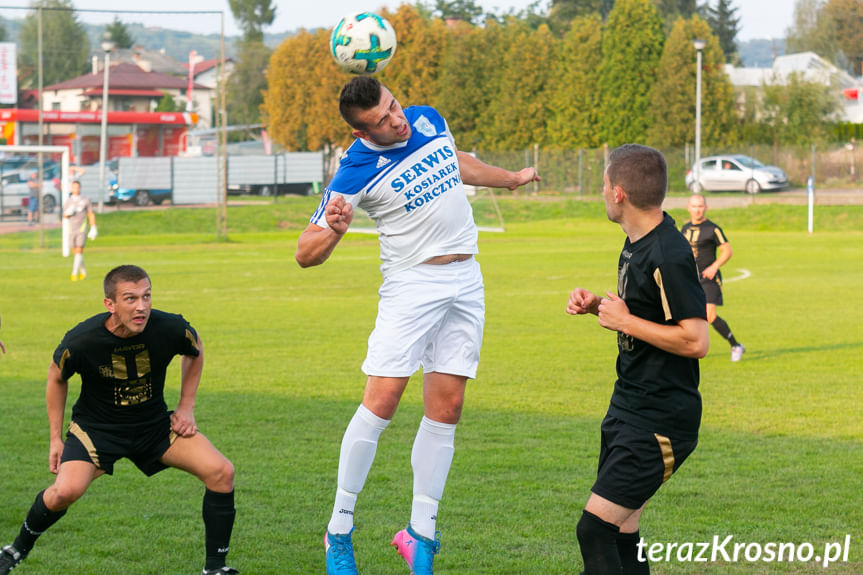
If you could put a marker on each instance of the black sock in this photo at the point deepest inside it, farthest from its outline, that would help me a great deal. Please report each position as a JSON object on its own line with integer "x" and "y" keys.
{"x": 627, "y": 546}
{"x": 38, "y": 520}
{"x": 598, "y": 542}
{"x": 720, "y": 326}
{"x": 218, "y": 513}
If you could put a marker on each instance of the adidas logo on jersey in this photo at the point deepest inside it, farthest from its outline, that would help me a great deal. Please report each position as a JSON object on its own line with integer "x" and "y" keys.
{"x": 382, "y": 161}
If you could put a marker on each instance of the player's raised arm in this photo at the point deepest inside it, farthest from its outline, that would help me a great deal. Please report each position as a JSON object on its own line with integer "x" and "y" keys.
{"x": 475, "y": 172}
{"x": 316, "y": 243}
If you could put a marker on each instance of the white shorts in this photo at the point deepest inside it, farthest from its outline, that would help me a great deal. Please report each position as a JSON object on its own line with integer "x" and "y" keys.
{"x": 430, "y": 316}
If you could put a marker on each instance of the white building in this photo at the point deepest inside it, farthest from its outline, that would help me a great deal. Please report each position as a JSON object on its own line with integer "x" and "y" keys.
{"x": 130, "y": 89}
{"x": 810, "y": 67}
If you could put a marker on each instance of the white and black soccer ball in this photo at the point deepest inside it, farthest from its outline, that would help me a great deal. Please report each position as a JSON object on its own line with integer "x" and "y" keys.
{"x": 363, "y": 43}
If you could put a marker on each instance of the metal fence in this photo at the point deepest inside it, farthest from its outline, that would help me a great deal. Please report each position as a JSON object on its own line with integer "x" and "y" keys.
{"x": 180, "y": 181}
{"x": 580, "y": 171}
{"x": 567, "y": 172}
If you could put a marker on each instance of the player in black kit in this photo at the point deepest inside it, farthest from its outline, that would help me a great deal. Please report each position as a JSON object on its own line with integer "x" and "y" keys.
{"x": 706, "y": 238}
{"x": 658, "y": 313}
{"x": 122, "y": 356}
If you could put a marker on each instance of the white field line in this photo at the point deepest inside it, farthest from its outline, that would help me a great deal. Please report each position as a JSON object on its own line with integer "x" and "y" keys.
{"x": 744, "y": 274}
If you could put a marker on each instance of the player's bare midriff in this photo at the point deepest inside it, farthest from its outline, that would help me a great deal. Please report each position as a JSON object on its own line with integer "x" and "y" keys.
{"x": 448, "y": 259}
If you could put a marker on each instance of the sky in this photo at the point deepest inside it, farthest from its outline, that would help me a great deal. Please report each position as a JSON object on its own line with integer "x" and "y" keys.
{"x": 759, "y": 18}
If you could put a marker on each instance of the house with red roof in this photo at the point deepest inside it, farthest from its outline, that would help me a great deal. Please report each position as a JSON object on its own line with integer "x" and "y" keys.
{"x": 130, "y": 89}
{"x": 72, "y": 114}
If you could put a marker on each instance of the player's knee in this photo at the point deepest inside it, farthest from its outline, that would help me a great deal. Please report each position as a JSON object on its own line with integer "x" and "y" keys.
{"x": 593, "y": 532}
{"x": 445, "y": 410}
{"x": 223, "y": 477}
{"x": 60, "y": 497}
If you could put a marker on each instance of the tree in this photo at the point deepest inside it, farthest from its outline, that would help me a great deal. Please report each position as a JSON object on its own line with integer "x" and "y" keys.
{"x": 563, "y": 12}
{"x": 516, "y": 116}
{"x": 413, "y": 74}
{"x": 246, "y": 85}
{"x": 631, "y": 48}
{"x": 65, "y": 47}
{"x": 248, "y": 81}
{"x": 168, "y": 104}
{"x": 301, "y": 104}
{"x": 847, "y": 20}
{"x": 465, "y": 10}
{"x": 467, "y": 70}
{"x": 573, "y": 99}
{"x": 119, "y": 34}
{"x": 2, "y": 31}
{"x": 725, "y": 25}
{"x": 812, "y": 30}
{"x": 252, "y": 16}
{"x": 672, "y": 110}
{"x": 671, "y": 10}
{"x": 798, "y": 112}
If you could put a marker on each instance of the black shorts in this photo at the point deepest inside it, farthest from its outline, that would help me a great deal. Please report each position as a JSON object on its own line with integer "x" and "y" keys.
{"x": 634, "y": 463}
{"x": 102, "y": 445}
{"x": 712, "y": 290}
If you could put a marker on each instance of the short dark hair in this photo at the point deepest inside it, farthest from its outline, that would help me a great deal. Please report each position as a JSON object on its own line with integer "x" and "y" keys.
{"x": 124, "y": 273}
{"x": 641, "y": 171}
{"x": 363, "y": 93}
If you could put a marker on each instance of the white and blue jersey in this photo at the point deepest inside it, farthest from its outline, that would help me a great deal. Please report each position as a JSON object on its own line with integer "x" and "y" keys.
{"x": 412, "y": 190}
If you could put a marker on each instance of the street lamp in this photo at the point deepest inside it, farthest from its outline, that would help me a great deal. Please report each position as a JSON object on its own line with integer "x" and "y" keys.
{"x": 107, "y": 45}
{"x": 699, "y": 46}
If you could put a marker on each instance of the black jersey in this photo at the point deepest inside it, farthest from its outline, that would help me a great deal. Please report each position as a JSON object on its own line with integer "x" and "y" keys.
{"x": 704, "y": 238}
{"x": 123, "y": 379}
{"x": 657, "y": 390}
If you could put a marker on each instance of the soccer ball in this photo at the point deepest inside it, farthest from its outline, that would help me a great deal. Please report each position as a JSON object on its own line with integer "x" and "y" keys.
{"x": 363, "y": 43}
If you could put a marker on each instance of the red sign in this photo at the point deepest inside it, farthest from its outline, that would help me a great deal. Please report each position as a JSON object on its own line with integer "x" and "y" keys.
{"x": 86, "y": 117}
{"x": 67, "y": 140}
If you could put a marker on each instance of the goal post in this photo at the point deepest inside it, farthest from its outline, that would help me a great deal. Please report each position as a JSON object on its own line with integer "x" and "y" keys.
{"x": 486, "y": 211}
{"x": 65, "y": 179}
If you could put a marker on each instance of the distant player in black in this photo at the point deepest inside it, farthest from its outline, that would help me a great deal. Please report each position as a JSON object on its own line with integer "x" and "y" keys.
{"x": 658, "y": 313}
{"x": 706, "y": 238}
{"x": 122, "y": 357}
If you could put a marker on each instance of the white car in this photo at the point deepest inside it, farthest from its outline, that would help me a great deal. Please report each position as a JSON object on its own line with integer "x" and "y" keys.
{"x": 15, "y": 193}
{"x": 735, "y": 173}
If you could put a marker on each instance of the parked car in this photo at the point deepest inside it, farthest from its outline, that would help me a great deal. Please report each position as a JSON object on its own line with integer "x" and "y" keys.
{"x": 15, "y": 193}
{"x": 735, "y": 172}
{"x": 139, "y": 197}
{"x": 303, "y": 189}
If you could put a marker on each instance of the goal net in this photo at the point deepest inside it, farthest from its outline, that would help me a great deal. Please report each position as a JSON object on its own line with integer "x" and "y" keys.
{"x": 18, "y": 164}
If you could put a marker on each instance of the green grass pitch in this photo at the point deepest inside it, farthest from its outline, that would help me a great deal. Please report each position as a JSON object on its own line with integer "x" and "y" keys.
{"x": 780, "y": 457}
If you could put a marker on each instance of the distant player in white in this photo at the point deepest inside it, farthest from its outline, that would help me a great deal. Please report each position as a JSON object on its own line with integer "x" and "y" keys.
{"x": 79, "y": 211}
{"x": 405, "y": 171}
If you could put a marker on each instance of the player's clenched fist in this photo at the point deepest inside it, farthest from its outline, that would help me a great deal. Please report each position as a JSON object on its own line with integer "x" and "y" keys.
{"x": 339, "y": 215}
{"x": 582, "y": 301}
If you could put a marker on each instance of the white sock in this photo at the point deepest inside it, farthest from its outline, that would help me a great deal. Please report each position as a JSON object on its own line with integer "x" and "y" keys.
{"x": 359, "y": 446}
{"x": 431, "y": 459}
{"x": 77, "y": 262}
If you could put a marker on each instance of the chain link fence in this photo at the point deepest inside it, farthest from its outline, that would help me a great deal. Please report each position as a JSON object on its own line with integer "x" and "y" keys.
{"x": 579, "y": 172}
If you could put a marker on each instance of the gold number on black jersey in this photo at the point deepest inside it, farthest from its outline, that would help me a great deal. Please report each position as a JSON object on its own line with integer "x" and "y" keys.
{"x": 131, "y": 390}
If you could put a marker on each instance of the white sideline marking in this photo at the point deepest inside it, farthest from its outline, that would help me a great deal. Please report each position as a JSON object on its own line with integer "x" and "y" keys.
{"x": 744, "y": 274}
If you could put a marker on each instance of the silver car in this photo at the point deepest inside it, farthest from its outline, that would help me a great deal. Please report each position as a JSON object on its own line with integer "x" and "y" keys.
{"x": 15, "y": 193}
{"x": 735, "y": 173}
